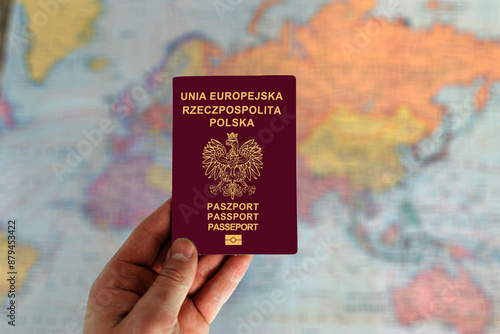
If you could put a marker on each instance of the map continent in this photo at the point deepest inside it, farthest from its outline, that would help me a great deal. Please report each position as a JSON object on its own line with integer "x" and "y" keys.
{"x": 57, "y": 28}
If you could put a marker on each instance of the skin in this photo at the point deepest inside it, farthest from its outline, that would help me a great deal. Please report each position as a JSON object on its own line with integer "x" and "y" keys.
{"x": 153, "y": 286}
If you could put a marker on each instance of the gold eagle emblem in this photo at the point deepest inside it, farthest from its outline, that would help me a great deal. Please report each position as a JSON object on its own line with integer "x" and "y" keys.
{"x": 233, "y": 167}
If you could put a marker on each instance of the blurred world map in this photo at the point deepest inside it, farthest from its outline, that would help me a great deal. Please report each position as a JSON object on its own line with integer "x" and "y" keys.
{"x": 398, "y": 108}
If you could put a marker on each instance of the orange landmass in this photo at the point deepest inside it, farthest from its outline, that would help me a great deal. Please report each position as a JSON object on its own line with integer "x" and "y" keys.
{"x": 456, "y": 301}
{"x": 395, "y": 66}
{"x": 253, "y": 26}
{"x": 437, "y": 5}
{"x": 432, "y": 4}
{"x": 482, "y": 96}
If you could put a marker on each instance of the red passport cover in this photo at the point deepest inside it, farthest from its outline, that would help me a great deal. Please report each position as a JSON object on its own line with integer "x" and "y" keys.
{"x": 234, "y": 164}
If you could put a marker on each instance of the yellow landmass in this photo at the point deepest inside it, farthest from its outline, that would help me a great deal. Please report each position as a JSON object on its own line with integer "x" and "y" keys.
{"x": 56, "y": 31}
{"x": 98, "y": 64}
{"x": 25, "y": 257}
{"x": 160, "y": 178}
{"x": 188, "y": 59}
{"x": 362, "y": 147}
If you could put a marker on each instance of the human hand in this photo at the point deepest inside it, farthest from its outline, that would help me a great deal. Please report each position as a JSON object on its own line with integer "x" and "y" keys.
{"x": 153, "y": 286}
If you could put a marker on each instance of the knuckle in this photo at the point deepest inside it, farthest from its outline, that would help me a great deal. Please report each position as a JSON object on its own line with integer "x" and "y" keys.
{"x": 172, "y": 274}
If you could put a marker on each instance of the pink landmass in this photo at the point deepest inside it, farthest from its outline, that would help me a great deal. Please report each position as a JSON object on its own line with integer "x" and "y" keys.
{"x": 391, "y": 235}
{"x": 121, "y": 145}
{"x": 362, "y": 235}
{"x": 122, "y": 197}
{"x": 457, "y": 301}
{"x": 124, "y": 105}
{"x": 460, "y": 253}
{"x": 6, "y": 116}
{"x": 310, "y": 188}
{"x": 159, "y": 117}
{"x": 136, "y": 128}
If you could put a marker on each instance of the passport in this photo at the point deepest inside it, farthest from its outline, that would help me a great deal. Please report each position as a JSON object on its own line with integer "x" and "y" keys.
{"x": 234, "y": 176}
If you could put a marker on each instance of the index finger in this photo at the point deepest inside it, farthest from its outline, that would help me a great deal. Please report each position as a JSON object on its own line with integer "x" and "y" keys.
{"x": 143, "y": 245}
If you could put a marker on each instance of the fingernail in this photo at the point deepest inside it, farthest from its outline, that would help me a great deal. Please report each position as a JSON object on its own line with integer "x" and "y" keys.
{"x": 182, "y": 249}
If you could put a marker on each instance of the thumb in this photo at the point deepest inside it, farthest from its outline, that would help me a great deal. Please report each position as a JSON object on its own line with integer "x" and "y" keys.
{"x": 159, "y": 307}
